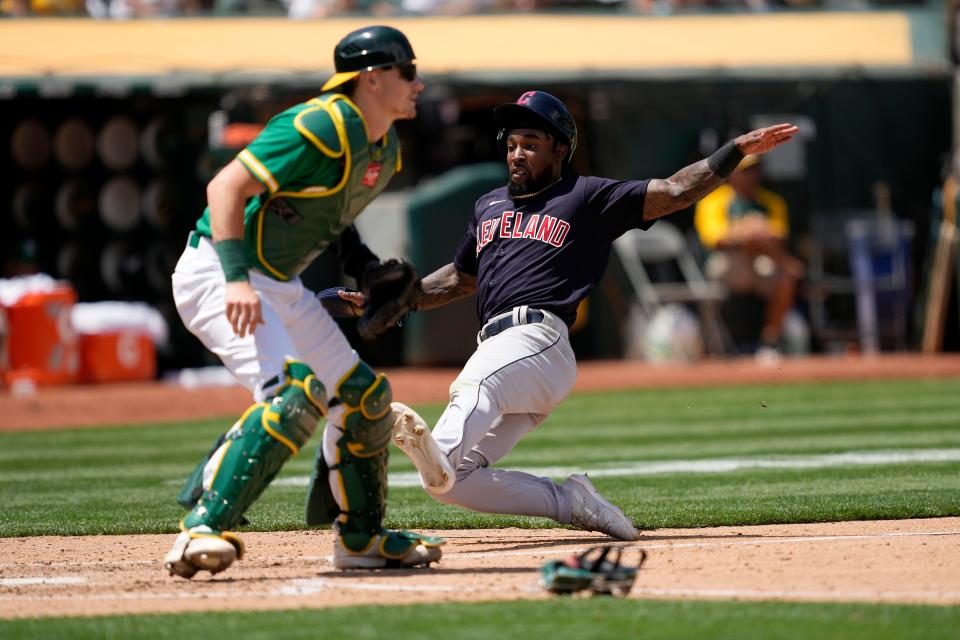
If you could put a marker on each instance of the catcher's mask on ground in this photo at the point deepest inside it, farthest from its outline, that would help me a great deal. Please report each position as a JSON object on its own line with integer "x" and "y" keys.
{"x": 603, "y": 570}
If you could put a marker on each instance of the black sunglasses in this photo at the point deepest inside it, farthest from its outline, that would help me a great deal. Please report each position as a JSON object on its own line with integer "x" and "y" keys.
{"x": 407, "y": 70}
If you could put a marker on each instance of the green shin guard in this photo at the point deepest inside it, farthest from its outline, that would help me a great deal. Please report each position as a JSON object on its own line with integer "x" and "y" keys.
{"x": 364, "y": 483}
{"x": 245, "y": 465}
{"x": 193, "y": 488}
{"x": 256, "y": 448}
{"x": 362, "y": 452}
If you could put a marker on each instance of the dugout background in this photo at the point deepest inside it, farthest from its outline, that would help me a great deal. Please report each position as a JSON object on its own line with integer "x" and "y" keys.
{"x": 862, "y": 128}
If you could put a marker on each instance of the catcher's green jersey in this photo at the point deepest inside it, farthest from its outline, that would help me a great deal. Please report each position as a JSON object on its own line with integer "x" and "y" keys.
{"x": 320, "y": 172}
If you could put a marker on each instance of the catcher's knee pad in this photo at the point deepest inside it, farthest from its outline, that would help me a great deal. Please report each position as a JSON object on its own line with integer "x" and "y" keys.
{"x": 367, "y": 421}
{"x": 361, "y": 457}
{"x": 257, "y": 446}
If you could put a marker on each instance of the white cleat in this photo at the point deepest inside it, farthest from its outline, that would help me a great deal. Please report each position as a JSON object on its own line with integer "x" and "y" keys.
{"x": 591, "y": 512}
{"x": 412, "y": 435}
{"x": 391, "y": 549}
{"x": 200, "y": 549}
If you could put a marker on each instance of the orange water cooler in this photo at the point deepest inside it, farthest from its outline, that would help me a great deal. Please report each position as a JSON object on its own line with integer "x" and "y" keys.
{"x": 42, "y": 346}
{"x": 117, "y": 356}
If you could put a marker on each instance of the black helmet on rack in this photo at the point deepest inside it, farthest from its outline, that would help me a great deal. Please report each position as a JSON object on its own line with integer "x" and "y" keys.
{"x": 366, "y": 49}
{"x": 537, "y": 110}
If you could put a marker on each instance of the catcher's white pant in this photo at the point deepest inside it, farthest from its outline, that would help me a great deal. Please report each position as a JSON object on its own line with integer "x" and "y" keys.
{"x": 296, "y": 326}
{"x": 507, "y": 387}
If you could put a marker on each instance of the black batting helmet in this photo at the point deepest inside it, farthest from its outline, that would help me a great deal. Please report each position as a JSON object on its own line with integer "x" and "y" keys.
{"x": 537, "y": 110}
{"x": 366, "y": 49}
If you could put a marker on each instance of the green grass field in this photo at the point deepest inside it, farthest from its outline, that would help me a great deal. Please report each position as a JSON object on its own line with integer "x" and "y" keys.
{"x": 670, "y": 458}
{"x": 583, "y": 619}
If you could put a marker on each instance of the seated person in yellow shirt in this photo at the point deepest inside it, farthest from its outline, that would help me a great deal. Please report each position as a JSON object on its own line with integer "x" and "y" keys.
{"x": 744, "y": 226}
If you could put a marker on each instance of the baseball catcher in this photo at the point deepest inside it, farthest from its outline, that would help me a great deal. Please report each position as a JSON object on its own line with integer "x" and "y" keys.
{"x": 293, "y": 193}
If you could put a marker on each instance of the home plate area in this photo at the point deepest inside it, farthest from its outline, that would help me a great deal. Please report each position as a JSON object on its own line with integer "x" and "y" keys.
{"x": 897, "y": 561}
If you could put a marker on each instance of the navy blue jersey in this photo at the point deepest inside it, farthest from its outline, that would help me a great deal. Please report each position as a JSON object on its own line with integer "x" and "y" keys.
{"x": 550, "y": 250}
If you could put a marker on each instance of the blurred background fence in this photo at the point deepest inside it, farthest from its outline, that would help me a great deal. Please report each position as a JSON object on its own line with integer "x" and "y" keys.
{"x": 112, "y": 127}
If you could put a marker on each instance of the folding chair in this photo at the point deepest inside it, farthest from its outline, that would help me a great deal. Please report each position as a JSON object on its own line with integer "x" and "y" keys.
{"x": 663, "y": 250}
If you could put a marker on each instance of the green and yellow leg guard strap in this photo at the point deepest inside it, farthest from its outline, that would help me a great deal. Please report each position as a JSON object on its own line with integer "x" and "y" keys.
{"x": 256, "y": 448}
{"x": 361, "y": 464}
{"x": 322, "y": 507}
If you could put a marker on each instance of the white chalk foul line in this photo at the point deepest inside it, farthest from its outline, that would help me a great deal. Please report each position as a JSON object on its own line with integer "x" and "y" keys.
{"x": 708, "y": 465}
{"x": 309, "y": 586}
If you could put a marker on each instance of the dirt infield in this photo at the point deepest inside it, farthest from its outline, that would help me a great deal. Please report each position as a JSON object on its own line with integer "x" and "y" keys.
{"x": 125, "y": 404}
{"x": 903, "y": 561}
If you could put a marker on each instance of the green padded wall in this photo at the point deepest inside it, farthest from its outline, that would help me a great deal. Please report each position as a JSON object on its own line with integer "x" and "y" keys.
{"x": 439, "y": 212}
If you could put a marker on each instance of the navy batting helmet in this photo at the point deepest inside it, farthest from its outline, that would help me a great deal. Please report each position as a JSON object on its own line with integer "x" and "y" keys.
{"x": 537, "y": 110}
{"x": 366, "y": 49}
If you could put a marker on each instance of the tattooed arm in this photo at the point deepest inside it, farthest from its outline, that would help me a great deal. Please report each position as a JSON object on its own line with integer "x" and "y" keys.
{"x": 444, "y": 285}
{"x": 693, "y": 182}
{"x": 680, "y": 190}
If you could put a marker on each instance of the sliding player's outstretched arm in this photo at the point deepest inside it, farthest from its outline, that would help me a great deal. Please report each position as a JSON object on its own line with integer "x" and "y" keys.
{"x": 694, "y": 181}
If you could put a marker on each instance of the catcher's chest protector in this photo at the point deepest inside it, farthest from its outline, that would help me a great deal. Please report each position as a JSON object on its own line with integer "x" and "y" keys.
{"x": 297, "y": 222}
